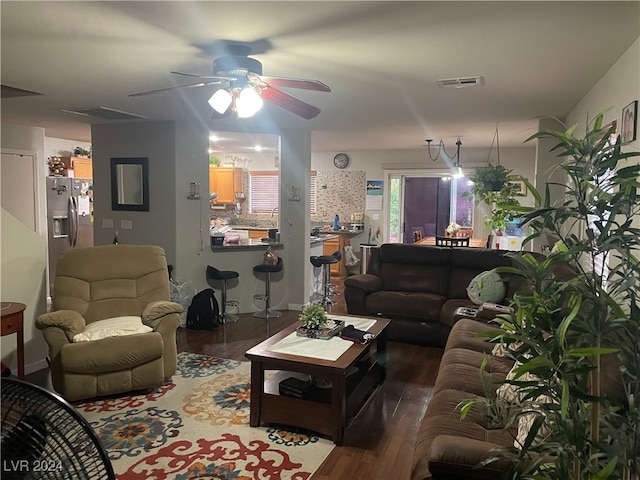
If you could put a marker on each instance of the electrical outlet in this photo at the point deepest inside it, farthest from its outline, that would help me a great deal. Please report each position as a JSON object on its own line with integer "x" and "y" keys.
{"x": 107, "y": 223}
{"x": 126, "y": 224}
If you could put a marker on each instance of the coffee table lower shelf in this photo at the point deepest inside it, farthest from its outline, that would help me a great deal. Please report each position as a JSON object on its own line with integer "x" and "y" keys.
{"x": 323, "y": 411}
{"x": 328, "y": 411}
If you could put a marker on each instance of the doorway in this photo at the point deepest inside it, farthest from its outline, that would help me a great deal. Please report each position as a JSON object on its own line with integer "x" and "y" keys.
{"x": 426, "y": 204}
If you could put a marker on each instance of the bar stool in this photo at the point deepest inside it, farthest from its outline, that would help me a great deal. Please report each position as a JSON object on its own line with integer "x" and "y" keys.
{"x": 332, "y": 292}
{"x": 268, "y": 269}
{"x": 325, "y": 261}
{"x": 224, "y": 275}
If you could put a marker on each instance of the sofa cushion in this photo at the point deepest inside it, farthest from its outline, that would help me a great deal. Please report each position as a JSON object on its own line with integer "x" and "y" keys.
{"x": 442, "y": 419}
{"x": 486, "y": 287}
{"x": 419, "y": 305}
{"x": 405, "y": 268}
{"x": 466, "y": 263}
{"x": 112, "y": 327}
{"x": 405, "y": 277}
{"x": 111, "y": 354}
{"x": 460, "y": 369}
{"x": 464, "y": 334}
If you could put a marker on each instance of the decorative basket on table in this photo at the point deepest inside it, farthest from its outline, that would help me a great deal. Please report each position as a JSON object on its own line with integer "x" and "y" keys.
{"x": 316, "y": 323}
{"x": 334, "y": 327}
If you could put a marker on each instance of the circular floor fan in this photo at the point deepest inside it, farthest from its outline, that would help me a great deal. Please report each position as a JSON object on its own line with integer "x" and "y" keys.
{"x": 43, "y": 437}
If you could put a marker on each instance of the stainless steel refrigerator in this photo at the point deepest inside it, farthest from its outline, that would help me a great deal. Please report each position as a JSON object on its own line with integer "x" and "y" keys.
{"x": 69, "y": 217}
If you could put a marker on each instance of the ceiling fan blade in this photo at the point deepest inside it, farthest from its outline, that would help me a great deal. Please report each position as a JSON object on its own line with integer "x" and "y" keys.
{"x": 191, "y": 85}
{"x": 296, "y": 83}
{"x": 220, "y": 79}
{"x": 290, "y": 103}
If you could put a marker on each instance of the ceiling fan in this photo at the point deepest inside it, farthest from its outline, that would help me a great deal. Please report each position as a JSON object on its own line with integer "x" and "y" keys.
{"x": 243, "y": 87}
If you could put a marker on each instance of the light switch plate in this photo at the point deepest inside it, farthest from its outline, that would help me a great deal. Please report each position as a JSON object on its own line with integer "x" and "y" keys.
{"x": 126, "y": 224}
{"x": 107, "y": 223}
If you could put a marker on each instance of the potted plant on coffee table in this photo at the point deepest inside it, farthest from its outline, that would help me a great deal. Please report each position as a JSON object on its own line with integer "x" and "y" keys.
{"x": 316, "y": 323}
{"x": 574, "y": 391}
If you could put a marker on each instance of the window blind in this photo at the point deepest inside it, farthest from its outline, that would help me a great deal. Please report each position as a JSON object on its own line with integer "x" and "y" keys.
{"x": 264, "y": 191}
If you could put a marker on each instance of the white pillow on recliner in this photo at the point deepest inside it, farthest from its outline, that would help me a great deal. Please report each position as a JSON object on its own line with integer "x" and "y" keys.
{"x": 112, "y": 327}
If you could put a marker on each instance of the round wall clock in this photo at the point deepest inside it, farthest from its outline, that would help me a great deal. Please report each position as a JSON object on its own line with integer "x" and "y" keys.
{"x": 341, "y": 160}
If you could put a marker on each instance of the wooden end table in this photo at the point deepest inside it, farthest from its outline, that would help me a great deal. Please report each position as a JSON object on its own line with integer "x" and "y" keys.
{"x": 12, "y": 322}
{"x": 354, "y": 376}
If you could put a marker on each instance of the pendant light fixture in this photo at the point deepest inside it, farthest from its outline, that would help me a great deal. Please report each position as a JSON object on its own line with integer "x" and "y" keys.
{"x": 457, "y": 166}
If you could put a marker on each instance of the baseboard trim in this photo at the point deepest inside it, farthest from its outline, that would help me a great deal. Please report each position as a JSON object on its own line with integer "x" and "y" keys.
{"x": 35, "y": 367}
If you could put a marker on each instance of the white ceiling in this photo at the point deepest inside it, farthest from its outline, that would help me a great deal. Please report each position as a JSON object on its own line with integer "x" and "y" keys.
{"x": 381, "y": 60}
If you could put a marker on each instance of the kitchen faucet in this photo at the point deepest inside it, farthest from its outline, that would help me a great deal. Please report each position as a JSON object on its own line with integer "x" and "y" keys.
{"x": 273, "y": 211}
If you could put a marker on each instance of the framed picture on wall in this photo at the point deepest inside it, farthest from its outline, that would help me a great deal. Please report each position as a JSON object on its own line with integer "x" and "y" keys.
{"x": 630, "y": 122}
{"x": 521, "y": 188}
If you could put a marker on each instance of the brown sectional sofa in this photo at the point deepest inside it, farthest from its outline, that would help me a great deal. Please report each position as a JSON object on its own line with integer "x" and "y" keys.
{"x": 446, "y": 446}
{"x": 420, "y": 287}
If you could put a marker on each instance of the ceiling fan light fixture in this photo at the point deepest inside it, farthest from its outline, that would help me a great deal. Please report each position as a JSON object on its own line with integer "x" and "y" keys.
{"x": 220, "y": 100}
{"x": 248, "y": 102}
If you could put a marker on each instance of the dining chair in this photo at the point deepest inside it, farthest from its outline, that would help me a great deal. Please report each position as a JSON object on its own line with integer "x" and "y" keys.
{"x": 452, "y": 241}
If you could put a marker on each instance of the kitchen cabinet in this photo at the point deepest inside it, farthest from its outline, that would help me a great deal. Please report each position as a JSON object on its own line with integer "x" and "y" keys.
{"x": 226, "y": 182}
{"x": 82, "y": 166}
{"x": 258, "y": 234}
{"x": 330, "y": 247}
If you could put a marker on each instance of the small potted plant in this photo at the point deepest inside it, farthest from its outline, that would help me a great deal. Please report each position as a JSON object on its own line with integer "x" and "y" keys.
{"x": 313, "y": 317}
{"x": 452, "y": 229}
{"x": 81, "y": 152}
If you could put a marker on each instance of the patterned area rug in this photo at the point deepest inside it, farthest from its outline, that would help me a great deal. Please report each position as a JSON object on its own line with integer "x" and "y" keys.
{"x": 197, "y": 427}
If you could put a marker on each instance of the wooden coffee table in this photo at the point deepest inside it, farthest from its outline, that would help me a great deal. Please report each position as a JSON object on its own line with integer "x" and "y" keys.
{"x": 354, "y": 376}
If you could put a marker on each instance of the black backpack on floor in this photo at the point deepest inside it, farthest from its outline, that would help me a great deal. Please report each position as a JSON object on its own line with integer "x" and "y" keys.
{"x": 204, "y": 313}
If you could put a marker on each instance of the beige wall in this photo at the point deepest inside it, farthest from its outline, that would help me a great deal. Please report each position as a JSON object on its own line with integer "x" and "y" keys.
{"x": 23, "y": 280}
{"x": 152, "y": 140}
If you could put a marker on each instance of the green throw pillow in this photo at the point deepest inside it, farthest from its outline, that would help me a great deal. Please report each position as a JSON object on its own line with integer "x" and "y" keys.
{"x": 486, "y": 287}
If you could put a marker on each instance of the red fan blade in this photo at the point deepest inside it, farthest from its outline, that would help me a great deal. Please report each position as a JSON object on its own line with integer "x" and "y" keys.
{"x": 296, "y": 83}
{"x": 191, "y": 85}
{"x": 289, "y": 102}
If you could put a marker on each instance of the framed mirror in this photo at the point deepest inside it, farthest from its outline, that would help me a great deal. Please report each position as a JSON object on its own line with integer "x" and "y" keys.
{"x": 130, "y": 184}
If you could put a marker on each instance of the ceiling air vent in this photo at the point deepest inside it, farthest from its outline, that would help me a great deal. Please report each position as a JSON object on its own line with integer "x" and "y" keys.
{"x": 104, "y": 113}
{"x": 461, "y": 82}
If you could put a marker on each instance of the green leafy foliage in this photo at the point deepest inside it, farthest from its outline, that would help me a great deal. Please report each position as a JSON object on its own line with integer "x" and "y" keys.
{"x": 493, "y": 185}
{"x": 576, "y": 329}
{"x": 313, "y": 316}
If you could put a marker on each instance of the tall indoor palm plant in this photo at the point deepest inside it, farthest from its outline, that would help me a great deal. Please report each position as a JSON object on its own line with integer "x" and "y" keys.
{"x": 575, "y": 334}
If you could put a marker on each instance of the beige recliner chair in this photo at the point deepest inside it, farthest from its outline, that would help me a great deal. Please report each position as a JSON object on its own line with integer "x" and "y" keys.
{"x": 97, "y": 291}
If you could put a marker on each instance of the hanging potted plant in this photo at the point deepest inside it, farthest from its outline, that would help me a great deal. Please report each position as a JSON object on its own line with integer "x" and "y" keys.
{"x": 575, "y": 334}
{"x": 490, "y": 178}
{"x": 502, "y": 201}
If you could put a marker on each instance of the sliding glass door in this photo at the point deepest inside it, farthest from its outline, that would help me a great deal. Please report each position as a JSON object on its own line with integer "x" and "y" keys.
{"x": 427, "y": 205}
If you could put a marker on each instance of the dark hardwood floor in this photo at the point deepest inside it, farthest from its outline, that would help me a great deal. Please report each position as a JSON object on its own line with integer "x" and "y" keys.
{"x": 379, "y": 442}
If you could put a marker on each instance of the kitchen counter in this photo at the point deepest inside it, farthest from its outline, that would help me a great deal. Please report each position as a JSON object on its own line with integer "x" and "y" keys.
{"x": 349, "y": 233}
{"x": 247, "y": 244}
{"x": 322, "y": 238}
